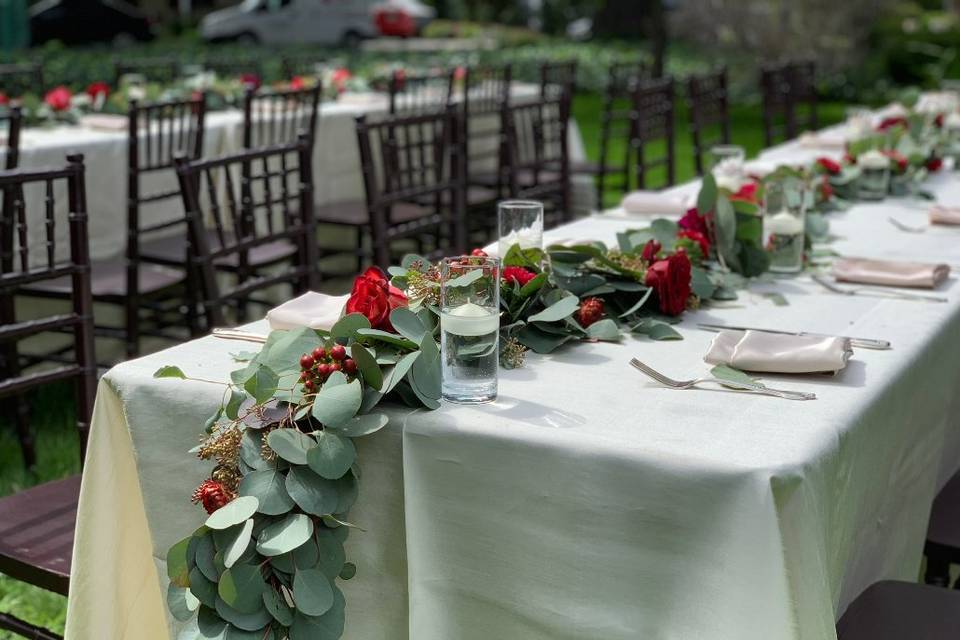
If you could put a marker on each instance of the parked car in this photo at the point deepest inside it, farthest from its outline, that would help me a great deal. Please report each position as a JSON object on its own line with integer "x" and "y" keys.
{"x": 323, "y": 22}
{"x": 86, "y": 21}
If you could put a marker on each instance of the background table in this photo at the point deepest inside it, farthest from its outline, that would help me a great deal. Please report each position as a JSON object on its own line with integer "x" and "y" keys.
{"x": 588, "y": 502}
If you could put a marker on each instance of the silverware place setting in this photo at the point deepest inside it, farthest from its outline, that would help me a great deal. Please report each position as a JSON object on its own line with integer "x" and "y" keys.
{"x": 751, "y": 387}
{"x": 863, "y": 343}
{"x": 875, "y": 292}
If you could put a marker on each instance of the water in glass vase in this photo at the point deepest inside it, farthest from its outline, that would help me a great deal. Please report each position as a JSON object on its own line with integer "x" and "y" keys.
{"x": 469, "y": 353}
{"x": 785, "y": 238}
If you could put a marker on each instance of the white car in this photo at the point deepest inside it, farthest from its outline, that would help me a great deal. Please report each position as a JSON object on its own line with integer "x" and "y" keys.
{"x": 323, "y": 22}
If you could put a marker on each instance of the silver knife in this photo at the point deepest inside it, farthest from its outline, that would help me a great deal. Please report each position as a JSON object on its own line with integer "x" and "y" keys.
{"x": 863, "y": 343}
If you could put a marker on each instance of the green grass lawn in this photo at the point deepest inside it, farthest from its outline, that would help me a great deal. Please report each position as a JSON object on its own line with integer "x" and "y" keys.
{"x": 57, "y": 441}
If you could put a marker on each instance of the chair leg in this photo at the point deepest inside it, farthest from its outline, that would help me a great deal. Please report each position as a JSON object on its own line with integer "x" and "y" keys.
{"x": 132, "y": 309}
{"x": 21, "y": 412}
{"x": 938, "y": 569}
{"x": 25, "y": 629}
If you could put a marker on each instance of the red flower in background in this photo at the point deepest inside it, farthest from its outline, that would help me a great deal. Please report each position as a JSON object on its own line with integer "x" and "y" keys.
{"x": 212, "y": 495}
{"x": 590, "y": 311}
{"x": 518, "y": 275}
{"x": 830, "y": 166}
{"x": 297, "y": 82}
{"x": 375, "y": 298}
{"x": 339, "y": 79}
{"x": 891, "y": 122}
{"x": 938, "y": 121}
{"x": 650, "y": 250}
{"x": 4, "y": 99}
{"x": 934, "y": 164}
{"x": 747, "y": 193}
{"x": 478, "y": 253}
{"x": 826, "y": 189}
{"x": 58, "y": 99}
{"x": 899, "y": 159}
{"x": 460, "y": 72}
{"x": 250, "y": 80}
{"x": 697, "y": 237}
{"x": 671, "y": 279}
{"x": 96, "y": 89}
{"x": 693, "y": 221}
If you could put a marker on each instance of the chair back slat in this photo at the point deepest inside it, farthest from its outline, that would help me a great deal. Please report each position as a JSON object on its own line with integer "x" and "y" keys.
{"x": 279, "y": 117}
{"x": 18, "y": 187}
{"x": 617, "y": 124}
{"x": 775, "y": 90}
{"x": 427, "y": 93}
{"x": 654, "y": 102}
{"x": 247, "y": 217}
{"x": 11, "y": 122}
{"x": 803, "y": 96}
{"x": 19, "y": 78}
{"x": 407, "y": 159}
{"x": 709, "y": 117}
{"x": 558, "y": 79}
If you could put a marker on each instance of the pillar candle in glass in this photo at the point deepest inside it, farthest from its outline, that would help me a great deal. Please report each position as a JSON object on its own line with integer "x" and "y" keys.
{"x": 521, "y": 222}
{"x": 725, "y": 162}
{"x": 469, "y": 328}
{"x": 874, "y": 181}
{"x": 784, "y": 221}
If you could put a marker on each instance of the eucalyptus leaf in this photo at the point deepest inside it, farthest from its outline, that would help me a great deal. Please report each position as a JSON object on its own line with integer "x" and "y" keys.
{"x": 725, "y": 372}
{"x": 262, "y": 384}
{"x": 315, "y": 495}
{"x": 333, "y": 455}
{"x": 181, "y": 602}
{"x": 241, "y": 586}
{"x": 367, "y": 364}
{"x": 312, "y": 592}
{"x": 254, "y": 620}
{"x": 211, "y": 625}
{"x": 286, "y": 535}
{"x": 425, "y": 373}
{"x": 707, "y": 197}
{"x": 408, "y": 324}
{"x": 639, "y": 303}
{"x": 399, "y": 370}
{"x": 232, "y": 408}
{"x": 233, "y": 512}
{"x": 250, "y": 449}
{"x": 329, "y": 626}
{"x": 238, "y": 544}
{"x": 557, "y": 311}
{"x": 268, "y": 487}
{"x": 541, "y": 341}
{"x": 291, "y": 444}
{"x": 202, "y": 588}
{"x": 277, "y": 607}
{"x": 332, "y": 556}
{"x": 205, "y": 562}
{"x": 178, "y": 570}
{"x": 361, "y": 425}
{"x": 346, "y": 326}
{"x": 656, "y": 330}
{"x": 335, "y": 405}
{"x": 604, "y": 329}
{"x": 169, "y": 371}
{"x": 387, "y": 337}
{"x": 348, "y": 572}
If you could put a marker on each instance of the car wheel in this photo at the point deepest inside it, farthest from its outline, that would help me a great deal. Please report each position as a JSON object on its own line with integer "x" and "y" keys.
{"x": 351, "y": 40}
{"x": 124, "y": 39}
{"x": 247, "y": 38}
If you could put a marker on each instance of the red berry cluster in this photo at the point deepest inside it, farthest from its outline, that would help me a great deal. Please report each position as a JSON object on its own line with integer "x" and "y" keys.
{"x": 591, "y": 310}
{"x": 318, "y": 365}
{"x": 212, "y": 495}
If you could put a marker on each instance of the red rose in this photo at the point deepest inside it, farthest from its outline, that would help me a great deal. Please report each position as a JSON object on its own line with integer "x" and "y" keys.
{"x": 697, "y": 237}
{"x": 297, "y": 82}
{"x": 747, "y": 193}
{"x": 375, "y": 298}
{"x": 650, "y": 250}
{"x": 478, "y": 253}
{"x": 889, "y": 123}
{"x": 58, "y": 99}
{"x": 518, "y": 275}
{"x": 590, "y": 311}
{"x": 693, "y": 221}
{"x": 671, "y": 279}
{"x": 339, "y": 79}
{"x": 938, "y": 121}
{"x": 250, "y": 80}
{"x": 4, "y": 99}
{"x": 830, "y": 166}
{"x": 934, "y": 164}
{"x": 898, "y": 158}
{"x": 97, "y": 89}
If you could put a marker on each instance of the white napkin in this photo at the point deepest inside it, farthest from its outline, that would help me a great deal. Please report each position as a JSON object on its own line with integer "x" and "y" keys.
{"x": 891, "y": 273}
{"x": 778, "y": 353}
{"x": 104, "y": 122}
{"x": 312, "y": 309}
{"x": 824, "y": 140}
{"x": 652, "y": 203}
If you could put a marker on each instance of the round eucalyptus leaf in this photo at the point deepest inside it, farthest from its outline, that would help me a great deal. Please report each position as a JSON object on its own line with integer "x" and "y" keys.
{"x": 238, "y": 544}
{"x": 190, "y": 632}
{"x": 285, "y": 535}
{"x": 335, "y": 405}
{"x": 332, "y": 555}
{"x": 349, "y": 570}
{"x": 233, "y": 512}
{"x": 312, "y": 592}
{"x": 291, "y": 444}
{"x": 234, "y": 633}
{"x": 367, "y": 364}
{"x": 361, "y": 425}
{"x": 177, "y": 568}
{"x": 329, "y": 626}
{"x": 181, "y": 602}
{"x": 268, "y": 488}
{"x": 305, "y": 556}
{"x": 211, "y": 625}
{"x": 251, "y": 448}
{"x": 277, "y": 607}
{"x": 332, "y": 456}
{"x": 204, "y": 590}
{"x": 240, "y": 588}
{"x": 205, "y": 562}
{"x": 347, "y": 490}
{"x": 313, "y": 494}
{"x": 258, "y": 619}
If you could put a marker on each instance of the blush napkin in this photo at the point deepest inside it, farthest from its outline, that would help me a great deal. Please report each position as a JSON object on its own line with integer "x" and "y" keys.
{"x": 779, "y": 353}
{"x": 653, "y": 203}
{"x": 945, "y": 215}
{"x": 890, "y": 273}
{"x": 312, "y": 309}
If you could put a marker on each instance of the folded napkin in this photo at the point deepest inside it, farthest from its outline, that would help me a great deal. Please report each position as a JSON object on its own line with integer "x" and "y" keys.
{"x": 653, "y": 203}
{"x": 314, "y": 310}
{"x": 890, "y": 273}
{"x": 778, "y": 353}
{"x": 104, "y": 122}
{"x": 944, "y": 215}
{"x": 824, "y": 140}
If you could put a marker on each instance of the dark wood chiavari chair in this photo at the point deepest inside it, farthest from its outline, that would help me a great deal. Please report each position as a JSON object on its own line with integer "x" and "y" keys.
{"x": 654, "y": 105}
{"x": 558, "y": 79}
{"x": 803, "y": 96}
{"x": 709, "y": 117}
{"x": 427, "y": 93}
{"x": 274, "y": 117}
{"x": 775, "y": 90}
{"x": 892, "y": 610}
{"x": 278, "y": 211}
{"x": 163, "y": 70}
{"x": 616, "y": 124}
{"x": 11, "y": 122}
{"x": 408, "y": 159}
{"x": 943, "y": 535}
{"x": 537, "y": 154}
{"x": 37, "y": 524}
{"x": 19, "y": 78}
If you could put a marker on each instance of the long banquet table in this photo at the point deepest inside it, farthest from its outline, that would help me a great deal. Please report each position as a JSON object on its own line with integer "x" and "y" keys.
{"x": 588, "y": 502}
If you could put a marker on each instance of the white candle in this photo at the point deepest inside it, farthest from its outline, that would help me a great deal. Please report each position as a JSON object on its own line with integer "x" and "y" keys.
{"x": 470, "y": 320}
{"x": 784, "y": 223}
{"x": 873, "y": 159}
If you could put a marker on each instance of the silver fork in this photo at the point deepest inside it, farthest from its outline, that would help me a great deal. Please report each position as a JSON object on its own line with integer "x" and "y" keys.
{"x": 744, "y": 386}
{"x": 905, "y": 227}
{"x": 873, "y": 291}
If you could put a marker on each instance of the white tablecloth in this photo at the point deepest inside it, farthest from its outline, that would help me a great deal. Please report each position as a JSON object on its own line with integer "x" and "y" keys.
{"x": 588, "y": 502}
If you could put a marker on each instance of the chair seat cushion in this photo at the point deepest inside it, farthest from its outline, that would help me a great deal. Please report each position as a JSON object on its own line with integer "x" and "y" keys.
{"x": 891, "y": 610}
{"x": 109, "y": 280}
{"x": 355, "y": 213}
{"x": 944, "y": 527}
{"x": 36, "y": 533}
{"x": 172, "y": 250}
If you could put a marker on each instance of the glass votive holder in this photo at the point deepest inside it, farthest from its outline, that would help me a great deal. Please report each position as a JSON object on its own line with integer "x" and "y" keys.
{"x": 520, "y": 222}
{"x": 874, "y": 181}
{"x": 784, "y": 224}
{"x": 725, "y": 162}
{"x": 469, "y": 328}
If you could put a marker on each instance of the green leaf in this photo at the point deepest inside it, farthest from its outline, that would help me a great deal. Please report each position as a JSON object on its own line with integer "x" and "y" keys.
{"x": 268, "y": 488}
{"x": 248, "y": 621}
{"x": 605, "y": 329}
{"x": 466, "y": 279}
{"x": 361, "y": 425}
{"x": 665, "y": 232}
{"x": 237, "y": 546}
{"x": 347, "y": 491}
{"x": 367, "y": 364}
{"x": 210, "y": 625}
{"x": 349, "y": 570}
{"x": 335, "y": 405}
{"x": 202, "y": 588}
{"x": 397, "y": 373}
{"x": 232, "y": 409}
{"x": 277, "y": 607}
{"x": 329, "y": 626}
{"x": 291, "y": 444}
{"x": 315, "y": 495}
{"x": 700, "y": 283}
{"x": 205, "y": 558}
{"x": 181, "y": 602}
{"x": 178, "y": 570}
{"x": 725, "y": 372}
{"x": 286, "y": 535}
{"x": 533, "y": 286}
{"x": 169, "y": 371}
{"x": 333, "y": 455}
{"x": 241, "y": 587}
{"x": 425, "y": 373}
{"x": 776, "y": 298}
{"x": 312, "y": 592}
{"x": 639, "y": 303}
{"x": 707, "y": 197}
{"x": 262, "y": 384}
{"x": 233, "y": 513}
{"x": 346, "y": 326}
{"x": 656, "y": 330}
{"x": 557, "y": 311}
{"x": 408, "y": 324}
{"x": 726, "y": 226}
{"x": 331, "y": 555}
{"x": 541, "y": 341}
{"x": 386, "y": 336}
